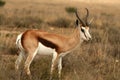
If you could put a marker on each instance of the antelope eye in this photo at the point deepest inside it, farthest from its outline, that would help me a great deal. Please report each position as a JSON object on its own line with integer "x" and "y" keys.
{"x": 82, "y": 30}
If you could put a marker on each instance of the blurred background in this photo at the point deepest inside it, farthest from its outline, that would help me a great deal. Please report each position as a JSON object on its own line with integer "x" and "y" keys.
{"x": 98, "y": 59}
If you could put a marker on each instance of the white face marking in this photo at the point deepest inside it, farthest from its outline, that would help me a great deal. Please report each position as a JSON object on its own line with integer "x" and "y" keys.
{"x": 84, "y": 32}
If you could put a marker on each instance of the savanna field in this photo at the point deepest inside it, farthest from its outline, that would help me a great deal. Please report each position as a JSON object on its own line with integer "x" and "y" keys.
{"x": 98, "y": 59}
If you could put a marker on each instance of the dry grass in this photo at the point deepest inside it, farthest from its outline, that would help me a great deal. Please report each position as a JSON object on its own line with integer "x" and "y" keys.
{"x": 98, "y": 59}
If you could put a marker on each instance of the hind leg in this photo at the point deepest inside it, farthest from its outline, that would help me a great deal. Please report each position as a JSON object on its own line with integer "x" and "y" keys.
{"x": 19, "y": 60}
{"x": 28, "y": 61}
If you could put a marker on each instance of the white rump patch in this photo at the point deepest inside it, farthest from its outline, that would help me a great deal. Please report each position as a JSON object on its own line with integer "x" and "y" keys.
{"x": 18, "y": 42}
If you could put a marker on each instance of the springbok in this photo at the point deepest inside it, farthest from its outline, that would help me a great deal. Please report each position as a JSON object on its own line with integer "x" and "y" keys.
{"x": 32, "y": 42}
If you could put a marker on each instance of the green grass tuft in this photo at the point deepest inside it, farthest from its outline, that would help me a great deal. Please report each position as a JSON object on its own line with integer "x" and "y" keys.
{"x": 70, "y": 9}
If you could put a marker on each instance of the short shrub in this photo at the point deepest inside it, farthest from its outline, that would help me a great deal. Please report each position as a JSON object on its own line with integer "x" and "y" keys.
{"x": 70, "y": 9}
{"x": 61, "y": 22}
{"x": 27, "y": 22}
{"x": 2, "y": 3}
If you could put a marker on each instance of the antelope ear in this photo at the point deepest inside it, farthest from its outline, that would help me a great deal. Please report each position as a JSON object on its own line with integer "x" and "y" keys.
{"x": 91, "y": 21}
{"x": 77, "y": 22}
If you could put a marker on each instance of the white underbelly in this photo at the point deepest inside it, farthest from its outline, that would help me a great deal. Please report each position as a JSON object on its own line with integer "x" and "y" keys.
{"x": 44, "y": 50}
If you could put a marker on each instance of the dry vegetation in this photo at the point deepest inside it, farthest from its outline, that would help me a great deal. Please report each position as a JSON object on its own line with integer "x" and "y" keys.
{"x": 98, "y": 59}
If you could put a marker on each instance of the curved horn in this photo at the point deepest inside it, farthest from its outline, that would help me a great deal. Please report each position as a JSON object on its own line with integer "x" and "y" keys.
{"x": 79, "y": 18}
{"x": 86, "y": 18}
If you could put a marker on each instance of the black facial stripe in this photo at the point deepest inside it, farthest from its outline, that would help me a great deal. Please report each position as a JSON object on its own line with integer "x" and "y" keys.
{"x": 85, "y": 35}
{"x": 83, "y": 32}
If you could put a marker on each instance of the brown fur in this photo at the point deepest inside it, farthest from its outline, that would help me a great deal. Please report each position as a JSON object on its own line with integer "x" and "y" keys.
{"x": 30, "y": 40}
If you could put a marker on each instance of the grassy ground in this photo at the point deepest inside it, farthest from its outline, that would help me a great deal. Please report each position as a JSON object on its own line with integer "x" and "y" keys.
{"x": 98, "y": 59}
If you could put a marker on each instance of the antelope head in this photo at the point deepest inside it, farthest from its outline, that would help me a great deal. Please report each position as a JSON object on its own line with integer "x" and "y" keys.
{"x": 84, "y": 26}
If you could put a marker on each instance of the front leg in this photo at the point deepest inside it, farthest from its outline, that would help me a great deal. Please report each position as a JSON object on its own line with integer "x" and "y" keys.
{"x": 54, "y": 61}
{"x": 59, "y": 67}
